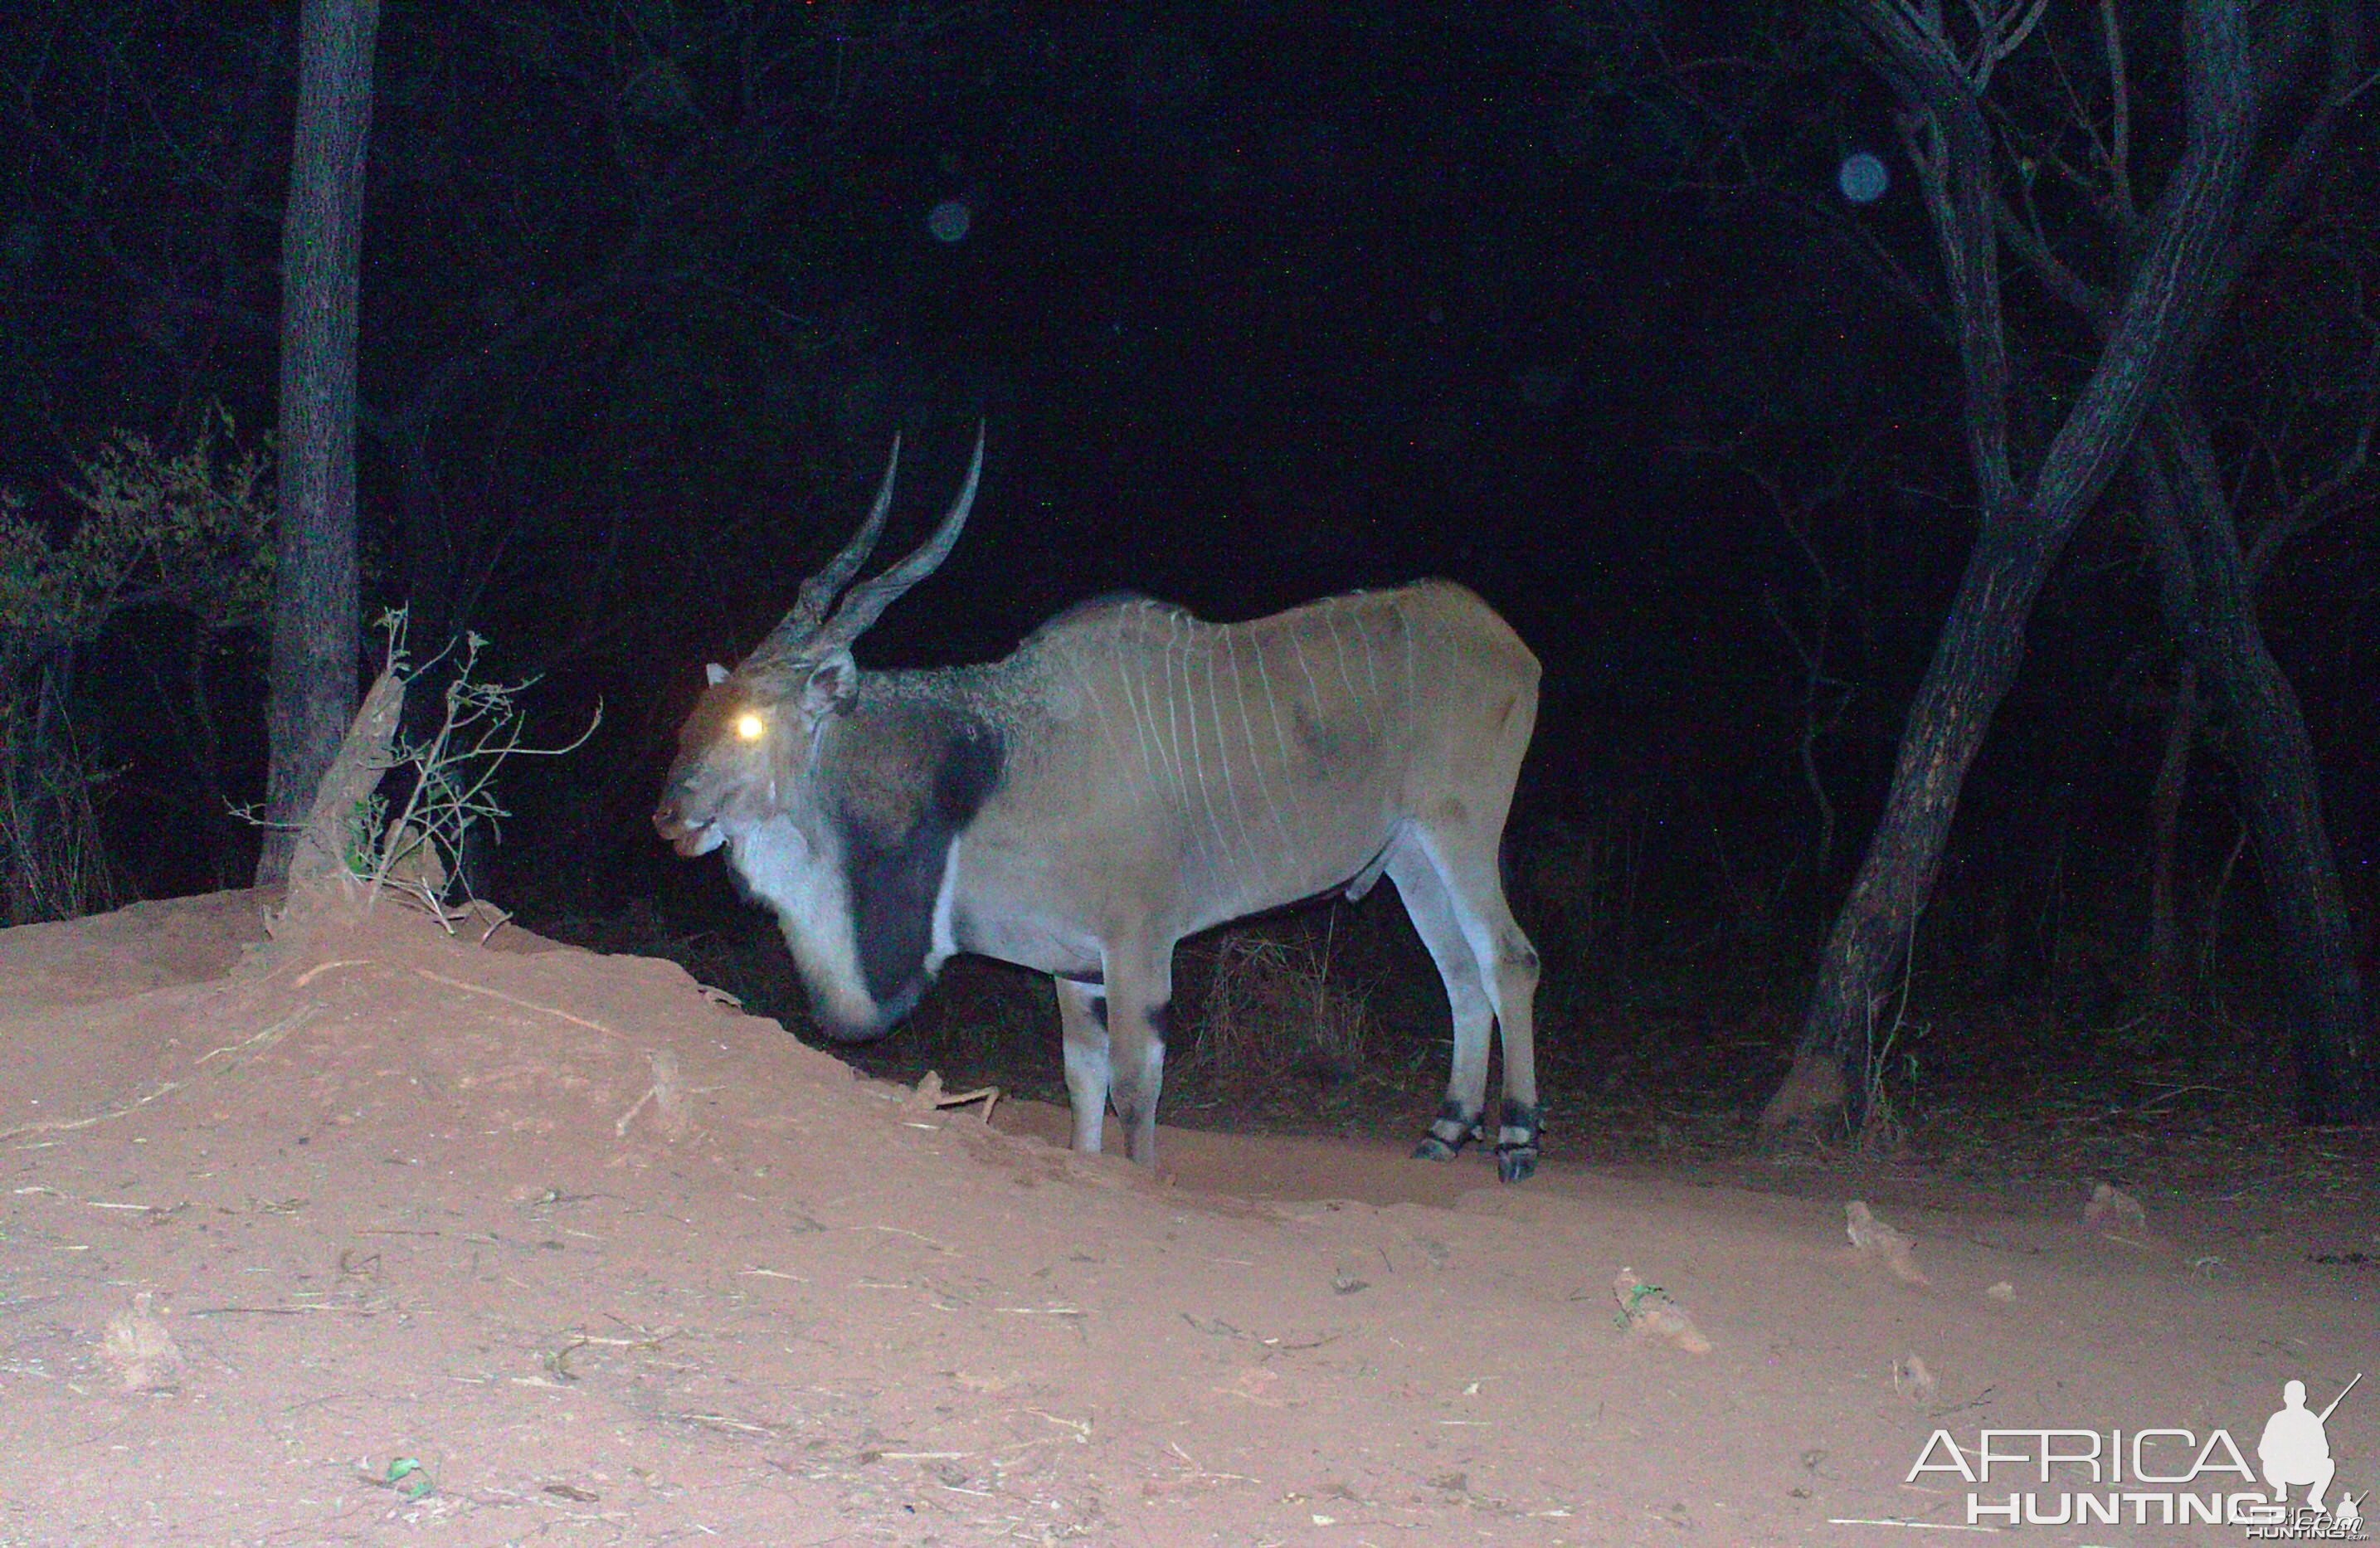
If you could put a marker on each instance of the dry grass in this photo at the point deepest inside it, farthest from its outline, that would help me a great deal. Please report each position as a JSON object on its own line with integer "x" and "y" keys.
{"x": 53, "y": 863}
{"x": 1274, "y": 1014}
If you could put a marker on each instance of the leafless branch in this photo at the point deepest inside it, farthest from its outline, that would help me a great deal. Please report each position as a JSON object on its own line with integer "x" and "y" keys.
{"x": 2119, "y": 93}
{"x": 2344, "y": 488}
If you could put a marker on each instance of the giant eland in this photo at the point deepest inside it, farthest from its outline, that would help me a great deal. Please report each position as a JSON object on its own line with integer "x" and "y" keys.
{"x": 1129, "y": 776}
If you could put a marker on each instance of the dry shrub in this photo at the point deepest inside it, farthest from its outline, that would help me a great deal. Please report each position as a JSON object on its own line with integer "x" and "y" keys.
{"x": 1273, "y": 1012}
{"x": 140, "y": 530}
{"x": 53, "y": 863}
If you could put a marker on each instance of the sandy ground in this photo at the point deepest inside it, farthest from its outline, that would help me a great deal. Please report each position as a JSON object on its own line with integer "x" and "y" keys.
{"x": 388, "y": 1237}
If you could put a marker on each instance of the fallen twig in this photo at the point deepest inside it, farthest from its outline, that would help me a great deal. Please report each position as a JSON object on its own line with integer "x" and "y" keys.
{"x": 264, "y": 1039}
{"x": 516, "y": 1000}
{"x": 929, "y": 1097}
{"x": 272, "y": 1034}
{"x": 319, "y": 969}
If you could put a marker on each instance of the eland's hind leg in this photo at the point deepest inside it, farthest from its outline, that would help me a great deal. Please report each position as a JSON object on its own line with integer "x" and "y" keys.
{"x": 1432, "y": 912}
{"x": 1507, "y": 964}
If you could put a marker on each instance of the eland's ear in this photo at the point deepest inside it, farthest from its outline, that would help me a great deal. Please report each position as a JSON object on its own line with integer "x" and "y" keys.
{"x": 714, "y": 674}
{"x": 833, "y": 684}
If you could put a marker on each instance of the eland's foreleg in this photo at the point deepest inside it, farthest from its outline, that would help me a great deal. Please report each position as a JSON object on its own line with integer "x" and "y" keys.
{"x": 1082, "y": 1016}
{"x": 1140, "y": 1009}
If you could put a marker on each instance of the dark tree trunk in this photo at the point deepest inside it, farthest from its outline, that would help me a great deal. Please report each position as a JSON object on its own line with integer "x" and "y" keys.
{"x": 2208, "y": 592}
{"x": 1973, "y": 666}
{"x": 316, "y": 638}
{"x": 2207, "y": 581}
{"x": 2024, "y": 525}
{"x": 2162, "y": 970}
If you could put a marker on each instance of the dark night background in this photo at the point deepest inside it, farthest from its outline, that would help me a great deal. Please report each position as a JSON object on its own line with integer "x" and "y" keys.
{"x": 1259, "y": 301}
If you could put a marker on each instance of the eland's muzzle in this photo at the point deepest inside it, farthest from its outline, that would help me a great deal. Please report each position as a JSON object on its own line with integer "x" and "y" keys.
{"x": 688, "y": 838}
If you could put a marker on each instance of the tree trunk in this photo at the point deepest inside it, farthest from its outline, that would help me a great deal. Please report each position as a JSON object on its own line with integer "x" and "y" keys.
{"x": 2198, "y": 552}
{"x": 2162, "y": 970}
{"x": 2208, "y": 593}
{"x": 2151, "y": 339}
{"x": 316, "y": 635}
{"x": 1974, "y": 663}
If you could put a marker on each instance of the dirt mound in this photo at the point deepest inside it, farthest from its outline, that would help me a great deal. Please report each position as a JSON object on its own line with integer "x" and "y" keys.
{"x": 398, "y": 1235}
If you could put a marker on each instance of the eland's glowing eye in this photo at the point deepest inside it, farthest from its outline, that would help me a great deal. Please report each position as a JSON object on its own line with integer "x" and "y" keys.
{"x": 750, "y": 727}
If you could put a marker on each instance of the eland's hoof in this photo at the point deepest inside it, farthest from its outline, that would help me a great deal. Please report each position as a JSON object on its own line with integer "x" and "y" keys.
{"x": 1514, "y": 1162}
{"x": 1432, "y": 1148}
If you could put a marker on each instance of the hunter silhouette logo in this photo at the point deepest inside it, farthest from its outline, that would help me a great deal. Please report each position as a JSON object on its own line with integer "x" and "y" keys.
{"x": 2296, "y": 1448}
